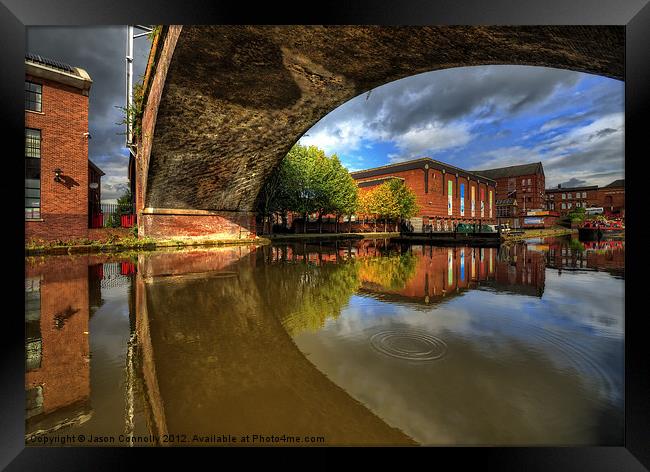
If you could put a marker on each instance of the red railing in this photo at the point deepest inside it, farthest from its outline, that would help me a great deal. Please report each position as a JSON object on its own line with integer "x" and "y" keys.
{"x": 128, "y": 220}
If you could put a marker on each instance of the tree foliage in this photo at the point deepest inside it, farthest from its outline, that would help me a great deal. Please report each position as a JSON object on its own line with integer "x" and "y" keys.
{"x": 308, "y": 181}
{"x": 392, "y": 200}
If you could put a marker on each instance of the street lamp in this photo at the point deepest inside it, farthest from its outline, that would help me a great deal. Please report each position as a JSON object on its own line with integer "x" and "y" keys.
{"x": 57, "y": 175}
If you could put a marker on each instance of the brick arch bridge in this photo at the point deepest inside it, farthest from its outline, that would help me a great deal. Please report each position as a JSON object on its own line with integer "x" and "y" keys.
{"x": 224, "y": 104}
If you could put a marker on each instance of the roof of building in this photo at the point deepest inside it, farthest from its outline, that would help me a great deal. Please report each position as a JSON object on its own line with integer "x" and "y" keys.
{"x": 50, "y": 69}
{"x": 378, "y": 181}
{"x": 419, "y": 163}
{"x": 511, "y": 171}
{"x": 617, "y": 183}
{"x": 49, "y": 62}
{"x": 94, "y": 166}
{"x": 571, "y": 189}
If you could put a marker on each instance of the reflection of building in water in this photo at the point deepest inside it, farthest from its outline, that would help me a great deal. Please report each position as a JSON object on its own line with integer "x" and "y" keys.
{"x": 608, "y": 256}
{"x": 521, "y": 269}
{"x": 57, "y": 378}
{"x": 444, "y": 271}
{"x": 95, "y": 300}
{"x": 592, "y": 255}
{"x": 426, "y": 273}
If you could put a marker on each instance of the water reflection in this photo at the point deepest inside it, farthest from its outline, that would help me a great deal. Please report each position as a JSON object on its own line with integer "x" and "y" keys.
{"x": 362, "y": 342}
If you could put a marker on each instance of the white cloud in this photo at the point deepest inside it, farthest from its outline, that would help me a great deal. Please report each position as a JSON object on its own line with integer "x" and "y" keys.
{"x": 433, "y": 137}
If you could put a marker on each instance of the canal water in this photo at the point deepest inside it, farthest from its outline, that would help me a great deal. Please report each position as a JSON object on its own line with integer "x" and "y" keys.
{"x": 354, "y": 342}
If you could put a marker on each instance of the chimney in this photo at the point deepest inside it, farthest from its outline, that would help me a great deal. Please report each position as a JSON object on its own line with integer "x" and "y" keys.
{"x": 559, "y": 185}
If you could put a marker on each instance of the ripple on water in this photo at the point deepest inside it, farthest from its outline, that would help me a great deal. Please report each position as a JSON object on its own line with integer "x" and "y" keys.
{"x": 409, "y": 345}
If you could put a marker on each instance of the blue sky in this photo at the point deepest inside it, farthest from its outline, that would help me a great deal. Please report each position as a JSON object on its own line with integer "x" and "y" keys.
{"x": 485, "y": 117}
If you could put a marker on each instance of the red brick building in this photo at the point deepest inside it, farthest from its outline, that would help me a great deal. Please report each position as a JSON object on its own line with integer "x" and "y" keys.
{"x": 525, "y": 183}
{"x": 56, "y": 150}
{"x": 612, "y": 198}
{"x": 565, "y": 199}
{"x": 445, "y": 194}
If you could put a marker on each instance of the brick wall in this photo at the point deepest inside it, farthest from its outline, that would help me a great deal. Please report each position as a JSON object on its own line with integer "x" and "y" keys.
{"x": 529, "y": 196}
{"x": 62, "y": 122}
{"x": 612, "y": 199}
{"x": 554, "y": 198}
{"x": 431, "y": 196}
{"x": 218, "y": 225}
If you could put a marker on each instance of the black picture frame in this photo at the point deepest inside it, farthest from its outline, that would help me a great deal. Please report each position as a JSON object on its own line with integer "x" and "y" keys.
{"x": 15, "y": 15}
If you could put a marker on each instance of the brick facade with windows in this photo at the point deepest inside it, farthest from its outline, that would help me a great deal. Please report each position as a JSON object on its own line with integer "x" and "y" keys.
{"x": 433, "y": 182}
{"x": 611, "y": 198}
{"x": 565, "y": 199}
{"x": 525, "y": 183}
{"x": 56, "y": 138}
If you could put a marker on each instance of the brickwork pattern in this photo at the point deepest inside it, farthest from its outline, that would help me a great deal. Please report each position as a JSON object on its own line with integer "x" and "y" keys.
{"x": 62, "y": 122}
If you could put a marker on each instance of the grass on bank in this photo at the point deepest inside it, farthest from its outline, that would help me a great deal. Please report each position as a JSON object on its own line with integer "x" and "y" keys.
{"x": 129, "y": 243}
{"x": 539, "y": 233}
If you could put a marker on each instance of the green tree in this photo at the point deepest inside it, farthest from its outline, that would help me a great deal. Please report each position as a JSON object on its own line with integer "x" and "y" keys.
{"x": 340, "y": 191}
{"x": 275, "y": 196}
{"x": 303, "y": 179}
{"x": 577, "y": 215}
{"x": 405, "y": 199}
{"x": 391, "y": 200}
{"x": 308, "y": 181}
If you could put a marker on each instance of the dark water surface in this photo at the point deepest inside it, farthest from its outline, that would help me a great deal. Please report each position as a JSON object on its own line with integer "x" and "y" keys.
{"x": 362, "y": 342}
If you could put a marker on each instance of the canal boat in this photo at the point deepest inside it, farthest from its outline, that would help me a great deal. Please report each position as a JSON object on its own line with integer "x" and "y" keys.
{"x": 595, "y": 230}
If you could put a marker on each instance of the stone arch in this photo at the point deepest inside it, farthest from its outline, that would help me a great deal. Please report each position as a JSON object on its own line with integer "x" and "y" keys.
{"x": 226, "y": 103}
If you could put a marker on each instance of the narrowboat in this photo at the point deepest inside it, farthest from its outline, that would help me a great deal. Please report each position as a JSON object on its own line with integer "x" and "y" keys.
{"x": 595, "y": 230}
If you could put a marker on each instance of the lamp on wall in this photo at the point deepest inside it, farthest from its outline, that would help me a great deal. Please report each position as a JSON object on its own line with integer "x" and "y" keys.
{"x": 57, "y": 175}
{"x": 94, "y": 185}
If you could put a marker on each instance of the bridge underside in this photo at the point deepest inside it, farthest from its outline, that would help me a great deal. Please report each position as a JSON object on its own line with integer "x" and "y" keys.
{"x": 226, "y": 103}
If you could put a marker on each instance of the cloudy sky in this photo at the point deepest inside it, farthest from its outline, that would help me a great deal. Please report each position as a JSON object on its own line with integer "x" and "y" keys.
{"x": 486, "y": 117}
{"x": 100, "y": 51}
{"x": 473, "y": 118}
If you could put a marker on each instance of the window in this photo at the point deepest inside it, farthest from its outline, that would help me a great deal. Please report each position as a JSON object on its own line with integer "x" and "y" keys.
{"x": 33, "y": 96}
{"x": 564, "y": 206}
{"x": 32, "y": 173}
{"x": 564, "y": 196}
{"x": 528, "y": 181}
{"x": 569, "y": 206}
{"x": 584, "y": 194}
{"x": 570, "y": 196}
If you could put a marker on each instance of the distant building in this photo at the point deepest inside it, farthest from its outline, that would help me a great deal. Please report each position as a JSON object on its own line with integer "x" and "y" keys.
{"x": 565, "y": 199}
{"x": 525, "y": 183}
{"x": 612, "y": 198}
{"x": 57, "y": 169}
{"x": 445, "y": 194}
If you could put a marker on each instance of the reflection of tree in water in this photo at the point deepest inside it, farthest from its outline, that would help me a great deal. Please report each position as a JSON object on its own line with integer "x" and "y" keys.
{"x": 392, "y": 271}
{"x": 305, "y": 295}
